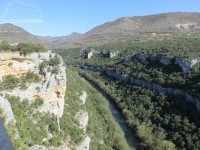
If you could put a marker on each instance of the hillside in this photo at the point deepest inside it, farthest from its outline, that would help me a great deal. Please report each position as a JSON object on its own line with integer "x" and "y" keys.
{"x": 155, "y": 84}
{"x": 59, "y": 41}
{"x": 141, "y": 27}
{"x": 15, "y": 34}
{"x": 122, "y": 29}
{"x": 39, "y": 113}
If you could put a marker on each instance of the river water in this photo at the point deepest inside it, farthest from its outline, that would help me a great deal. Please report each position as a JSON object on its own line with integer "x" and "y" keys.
{"x": 129, "y": 134}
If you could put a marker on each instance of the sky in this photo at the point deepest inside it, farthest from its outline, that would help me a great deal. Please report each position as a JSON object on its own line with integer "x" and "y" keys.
{"x": 62, "y": 17}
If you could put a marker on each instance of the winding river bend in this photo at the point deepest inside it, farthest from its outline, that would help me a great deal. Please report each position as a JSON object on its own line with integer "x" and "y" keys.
{"x": 130, "y": 137}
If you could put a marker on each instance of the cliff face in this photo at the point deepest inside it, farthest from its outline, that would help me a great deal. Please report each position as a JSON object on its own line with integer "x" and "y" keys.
{"x": 51, "y": 88}
{"x": 138, "y": 82}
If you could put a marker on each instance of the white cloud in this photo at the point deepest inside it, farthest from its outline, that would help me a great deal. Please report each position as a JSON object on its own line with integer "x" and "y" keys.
{"x": 21, "y": 19}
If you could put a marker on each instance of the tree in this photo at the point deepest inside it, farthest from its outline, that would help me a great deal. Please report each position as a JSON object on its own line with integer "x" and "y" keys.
{"x": 4, "y": 45}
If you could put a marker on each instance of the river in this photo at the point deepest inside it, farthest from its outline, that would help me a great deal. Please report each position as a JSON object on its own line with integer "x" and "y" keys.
{"x": 117, "y": 115}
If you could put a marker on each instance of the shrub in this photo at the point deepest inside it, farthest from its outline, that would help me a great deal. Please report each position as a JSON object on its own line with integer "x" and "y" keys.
{"x": 44, "y": 64}
{"x": 54, "y": 61}
{"x": 30, "y": 77}
{"x": 55, "y": 70}
{"x": 9, "y": 82}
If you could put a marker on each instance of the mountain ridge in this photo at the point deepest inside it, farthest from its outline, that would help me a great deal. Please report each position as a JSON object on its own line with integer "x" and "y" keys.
{"x": 16, "y": 34}
{"x": 124, "y": 28}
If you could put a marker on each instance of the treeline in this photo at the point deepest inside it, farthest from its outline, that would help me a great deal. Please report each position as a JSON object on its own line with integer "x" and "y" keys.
{"x": 156, "y": 118}
{"x": 166, "y": 75}
{"x": 151, "y": 71}
{"x": 23, "y": 48}
{"x": 184, "y": 47}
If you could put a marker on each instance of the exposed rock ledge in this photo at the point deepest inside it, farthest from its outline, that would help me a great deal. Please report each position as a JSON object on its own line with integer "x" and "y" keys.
{"x": 184, "y": 65}
{"x": 38, "y": 147}
{"x": 52, "y": 87}
{"x": 83, "y": 97}
{"x": 152, "y": 86}
{"x": 82, "y": 117}
{"x": 5, "y": 106}
{"x": 85, "y": 144}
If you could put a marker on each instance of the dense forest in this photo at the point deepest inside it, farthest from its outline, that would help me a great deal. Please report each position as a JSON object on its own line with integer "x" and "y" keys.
{"x": 170, "y": 75}
{"x": 156, "y": 118}
{"x": 160, "y": 120}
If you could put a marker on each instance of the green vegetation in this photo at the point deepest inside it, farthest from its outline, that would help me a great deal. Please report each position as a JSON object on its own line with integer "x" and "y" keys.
{"x": 4, "y": 45}
{"x": 184, "y": 47}
{"x": 53, "y": 63}
{"x": 150, "y": 71}
{"x": 25, "y": 48}
{"x": 154, "y": 72}
{"x": 156, "y": 118}
{"x": 31, "y": 125}
{"x": 34, "y": 126}
{"x": 104, "y": 132}
{"x": 44, "y": 64}
{"x": 10, "y": 82}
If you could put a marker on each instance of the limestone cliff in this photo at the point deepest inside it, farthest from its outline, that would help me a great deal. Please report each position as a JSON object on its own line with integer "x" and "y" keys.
{"x": 51, "y": 88}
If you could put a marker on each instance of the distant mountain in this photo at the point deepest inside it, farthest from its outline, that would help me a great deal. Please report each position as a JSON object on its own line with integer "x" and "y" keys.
{"x": 165, "y": 24}
{"x": 15, "y": 34}
{"x": 59, "y": 41}
{"x": 125, "y": 28}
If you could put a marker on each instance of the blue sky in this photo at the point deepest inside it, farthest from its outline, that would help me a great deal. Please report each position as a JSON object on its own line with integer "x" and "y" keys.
{"x": 62, "y": 17}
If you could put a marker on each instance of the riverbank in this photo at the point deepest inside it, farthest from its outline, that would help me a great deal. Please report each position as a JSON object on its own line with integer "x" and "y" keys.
{"x": 102, "y": 128}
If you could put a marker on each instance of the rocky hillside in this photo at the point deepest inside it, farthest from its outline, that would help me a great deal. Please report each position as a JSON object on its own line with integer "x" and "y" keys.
{"x": 32, "y": 88}
{"x": 142, "y": 27}
{"x": 51, "y": 88}
{"x": 151, "y": 25}
{"x": 125, "y": 28}
{"x": 15, "y": 34}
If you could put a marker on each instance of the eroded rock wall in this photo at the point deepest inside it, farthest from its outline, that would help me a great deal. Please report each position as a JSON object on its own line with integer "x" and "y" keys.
{"x": 52, "y": 86}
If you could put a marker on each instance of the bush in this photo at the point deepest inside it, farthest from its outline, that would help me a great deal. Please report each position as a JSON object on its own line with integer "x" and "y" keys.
{"x": 4, "y": 45}
{"x": 44, "y": 64}
{"x": 9, "y": 82}
{"x": 54, "y": 61}
{"x": 55, "y": 70}
{"x": 25, "y": 48}
{"x": 30, "y": 77}
{"x": 38, "y": 102}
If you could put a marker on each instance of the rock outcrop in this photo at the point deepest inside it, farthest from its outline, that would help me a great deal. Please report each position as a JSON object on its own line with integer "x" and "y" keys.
{"x": 38, "y": 147}
{"x": 185, "y": 66}
{"x": 194, "y": 62}
{"x": 88, "y": 53}
{"x": 108, "y": 53}
{"x": 52, "y": 87}
{"x": 6, "y": 107}
{"x": 85, "y": 144}
{"x": 82, "y": 117}
{"x": 138, "y": 82}
{"x": 83, "y": 97}
{"x": 181, "y": 63}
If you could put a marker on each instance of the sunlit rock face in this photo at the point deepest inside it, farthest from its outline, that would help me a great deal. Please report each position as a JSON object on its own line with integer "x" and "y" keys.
{"x": 7, "y": 111}
{"x": 52, "y": 86}
{"x": 194, "y": 61}
{"x": 157, "y": 87}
